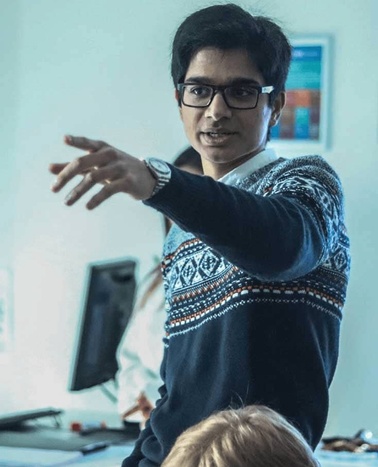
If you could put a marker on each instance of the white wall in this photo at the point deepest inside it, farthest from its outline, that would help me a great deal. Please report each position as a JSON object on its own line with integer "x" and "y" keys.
{"x": 100, "y": 68}
{"x": 9, "y": 49}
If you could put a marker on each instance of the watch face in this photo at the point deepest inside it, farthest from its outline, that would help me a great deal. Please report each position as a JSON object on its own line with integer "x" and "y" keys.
{"x": 160, "y": 166}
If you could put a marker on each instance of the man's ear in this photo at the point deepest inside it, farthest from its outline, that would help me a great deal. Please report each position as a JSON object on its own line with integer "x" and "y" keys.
{"x": 278, "y": 105}
{"x": 177, "y": 97}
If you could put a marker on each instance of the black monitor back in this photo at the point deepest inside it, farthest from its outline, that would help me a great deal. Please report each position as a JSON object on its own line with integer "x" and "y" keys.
{"x": 108, "y": 300}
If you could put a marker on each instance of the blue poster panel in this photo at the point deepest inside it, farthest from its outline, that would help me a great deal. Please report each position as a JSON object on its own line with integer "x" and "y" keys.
{"x": 301, "y": 119}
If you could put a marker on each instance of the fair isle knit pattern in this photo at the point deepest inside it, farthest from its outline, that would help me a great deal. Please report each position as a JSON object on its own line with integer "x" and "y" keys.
{"x": 201, "y": 285}
{"x": 255, "y": 275}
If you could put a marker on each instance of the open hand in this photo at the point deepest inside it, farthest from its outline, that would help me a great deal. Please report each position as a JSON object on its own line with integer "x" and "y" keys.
{"x": 106, "y": 165}
{"x": 142, "y": 405}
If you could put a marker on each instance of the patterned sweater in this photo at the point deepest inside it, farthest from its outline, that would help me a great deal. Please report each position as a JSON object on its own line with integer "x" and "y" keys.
{"x": 255, "y": 280}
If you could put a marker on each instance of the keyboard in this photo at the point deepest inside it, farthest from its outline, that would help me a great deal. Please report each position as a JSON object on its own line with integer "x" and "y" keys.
{"x": 16, "y": 419}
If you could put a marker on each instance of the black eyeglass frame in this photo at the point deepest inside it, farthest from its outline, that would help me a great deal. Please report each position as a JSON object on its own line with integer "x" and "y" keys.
{"x": 222, "y": 89}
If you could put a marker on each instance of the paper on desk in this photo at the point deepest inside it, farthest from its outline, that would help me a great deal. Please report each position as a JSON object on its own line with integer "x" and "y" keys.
{"x": 110, "y": 457}
{"x": 31, "y": 457}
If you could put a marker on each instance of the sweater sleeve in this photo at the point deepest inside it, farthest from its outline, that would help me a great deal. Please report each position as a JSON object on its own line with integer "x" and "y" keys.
{"x": 283, "y": 232}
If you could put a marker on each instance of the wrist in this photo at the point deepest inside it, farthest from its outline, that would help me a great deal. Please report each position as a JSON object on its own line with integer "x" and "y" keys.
{"x": 160, "y": 172}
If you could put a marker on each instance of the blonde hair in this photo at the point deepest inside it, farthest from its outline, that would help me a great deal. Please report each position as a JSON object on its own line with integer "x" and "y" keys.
{"x": 254, "y": 436}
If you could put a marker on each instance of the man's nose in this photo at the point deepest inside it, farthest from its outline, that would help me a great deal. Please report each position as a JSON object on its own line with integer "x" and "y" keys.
{"x": 218, "y": 108}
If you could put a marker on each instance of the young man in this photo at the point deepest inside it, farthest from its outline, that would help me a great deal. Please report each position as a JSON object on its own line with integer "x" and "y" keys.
{"x": 257, "y": 263}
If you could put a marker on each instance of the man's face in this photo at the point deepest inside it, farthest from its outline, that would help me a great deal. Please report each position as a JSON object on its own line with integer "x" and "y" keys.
{"x": 224, "y": 137}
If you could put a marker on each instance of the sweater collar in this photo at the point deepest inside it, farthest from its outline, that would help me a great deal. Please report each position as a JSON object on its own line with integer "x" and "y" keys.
{"x": 261, "y": 159}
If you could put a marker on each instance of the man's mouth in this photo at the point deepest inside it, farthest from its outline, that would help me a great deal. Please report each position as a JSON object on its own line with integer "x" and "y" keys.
{"x": 218, "y": 133}
{"x": 217, "y": 136}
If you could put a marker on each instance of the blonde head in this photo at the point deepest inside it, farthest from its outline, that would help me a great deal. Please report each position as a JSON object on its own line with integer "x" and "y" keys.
{"x": 254, "y": 436}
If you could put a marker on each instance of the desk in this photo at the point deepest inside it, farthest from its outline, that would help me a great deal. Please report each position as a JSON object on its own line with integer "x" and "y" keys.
{"x": 47, "y": 435}
{"x": 346, "y": 459}
{"x": 25, "y": 457}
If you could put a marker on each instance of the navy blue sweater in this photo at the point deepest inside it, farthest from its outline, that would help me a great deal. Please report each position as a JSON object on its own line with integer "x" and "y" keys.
{"x": 255, "y": 278}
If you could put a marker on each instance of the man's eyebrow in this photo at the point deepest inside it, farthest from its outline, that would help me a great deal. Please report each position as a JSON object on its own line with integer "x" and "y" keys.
{"x": 233, "y": 81}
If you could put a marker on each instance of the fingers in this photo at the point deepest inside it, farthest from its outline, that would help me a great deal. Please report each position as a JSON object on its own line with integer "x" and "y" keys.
{"x": 145, "y": 406}
{"x": 57, "y": 168}
{"x": 79, "y": 166}
{"x": 87, "y": 144}
{"x": 131, "y": 411}
{"x": 106, "y": 192}
{"x": 102, "y": 175}
{"x": 147, "y": 413}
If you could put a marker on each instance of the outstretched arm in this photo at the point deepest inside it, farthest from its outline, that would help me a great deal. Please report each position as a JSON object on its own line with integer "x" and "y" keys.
{"x": 279, "y": 234}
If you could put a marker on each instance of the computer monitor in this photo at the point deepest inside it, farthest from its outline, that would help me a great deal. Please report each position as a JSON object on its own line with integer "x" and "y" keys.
{"x": 108, "y": 300}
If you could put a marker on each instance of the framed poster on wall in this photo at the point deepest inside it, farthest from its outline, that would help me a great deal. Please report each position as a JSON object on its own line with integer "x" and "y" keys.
{"x": 305, "y": 119}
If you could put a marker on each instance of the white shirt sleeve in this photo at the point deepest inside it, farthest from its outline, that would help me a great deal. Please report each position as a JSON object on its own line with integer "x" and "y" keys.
{"x": 141, "y": 351}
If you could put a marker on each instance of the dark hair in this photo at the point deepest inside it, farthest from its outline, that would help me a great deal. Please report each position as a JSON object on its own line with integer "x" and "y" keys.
{"x": 230, "y": 27}
{"x": 189, "y": 157}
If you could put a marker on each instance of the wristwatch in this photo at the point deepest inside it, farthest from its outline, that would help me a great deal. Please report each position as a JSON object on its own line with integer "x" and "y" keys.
{"x": 160, "y": 171}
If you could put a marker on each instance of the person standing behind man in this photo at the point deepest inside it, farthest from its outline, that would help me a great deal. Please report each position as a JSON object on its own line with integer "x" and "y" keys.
{"x": 140, "y": 352}
{"x": 256, "y": 264}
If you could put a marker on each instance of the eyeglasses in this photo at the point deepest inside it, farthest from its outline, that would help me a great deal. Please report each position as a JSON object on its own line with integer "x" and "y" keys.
{"x": 236, "y": 96}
